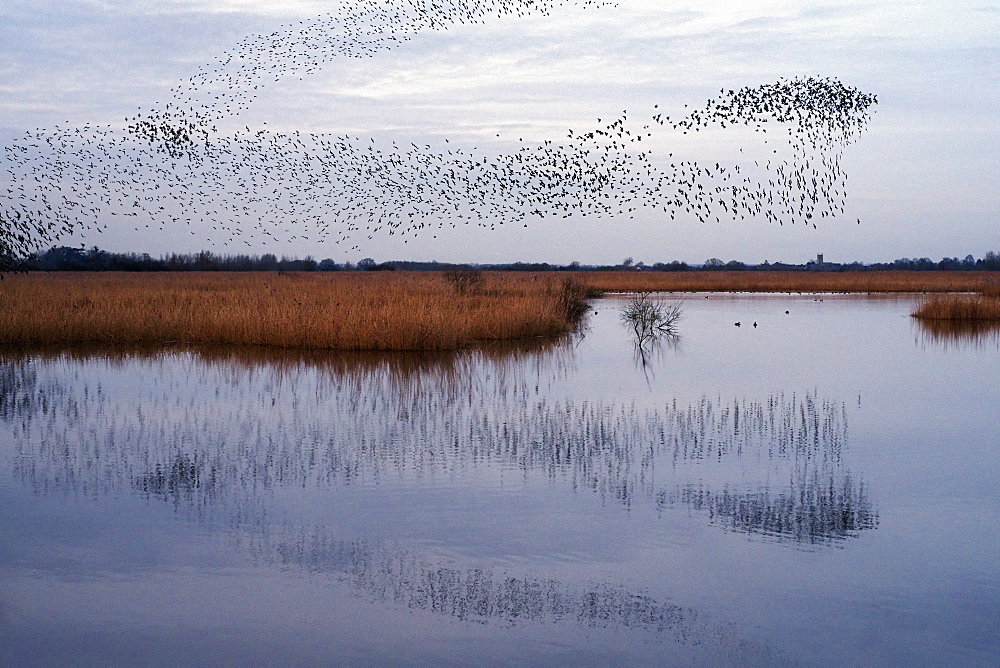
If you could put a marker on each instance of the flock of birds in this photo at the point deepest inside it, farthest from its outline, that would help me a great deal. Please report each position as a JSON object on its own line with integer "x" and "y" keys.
{"x": 172, "y": 165}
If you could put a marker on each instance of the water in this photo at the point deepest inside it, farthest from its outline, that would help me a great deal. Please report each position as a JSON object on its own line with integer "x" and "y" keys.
{"x": 818, "y": 489}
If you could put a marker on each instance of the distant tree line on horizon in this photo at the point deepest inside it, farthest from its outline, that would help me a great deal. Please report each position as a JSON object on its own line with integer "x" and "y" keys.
{"x": 64, "y": 258}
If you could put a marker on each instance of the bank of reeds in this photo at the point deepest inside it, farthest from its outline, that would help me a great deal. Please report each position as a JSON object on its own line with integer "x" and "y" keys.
{"x": 349, "y": 311}
{"x": 788, "y": 281}
{"x": 961, "y": 318}
{"x": 967, "y": 308}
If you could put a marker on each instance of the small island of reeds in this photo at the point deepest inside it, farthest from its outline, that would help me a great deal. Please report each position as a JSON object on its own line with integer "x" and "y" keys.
{"x": 349, "y": 311}
{"x": 982, "y": 306}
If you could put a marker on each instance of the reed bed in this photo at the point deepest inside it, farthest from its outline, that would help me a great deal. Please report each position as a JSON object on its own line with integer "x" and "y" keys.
{"x": 789, "y": 281}
{"x": 991, "y": 290}
{"x": 351, "y": 311}
{"x": 967, "y": 308}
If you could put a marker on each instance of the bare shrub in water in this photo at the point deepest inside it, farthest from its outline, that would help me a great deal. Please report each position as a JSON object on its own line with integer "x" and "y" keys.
{"x": 650, "y": 318}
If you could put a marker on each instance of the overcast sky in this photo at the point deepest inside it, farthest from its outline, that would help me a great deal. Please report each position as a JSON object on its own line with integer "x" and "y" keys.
{"x": 923, "y": 179}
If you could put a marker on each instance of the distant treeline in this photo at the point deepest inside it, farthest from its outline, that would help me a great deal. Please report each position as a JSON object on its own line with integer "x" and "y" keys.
{"x": 64, "y": 258}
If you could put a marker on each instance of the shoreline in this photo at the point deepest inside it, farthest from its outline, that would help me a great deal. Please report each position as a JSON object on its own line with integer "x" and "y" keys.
{"x": 398, "y": 311}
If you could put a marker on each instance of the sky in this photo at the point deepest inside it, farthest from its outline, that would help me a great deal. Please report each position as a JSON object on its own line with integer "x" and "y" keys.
{"x": 922, "y": 179}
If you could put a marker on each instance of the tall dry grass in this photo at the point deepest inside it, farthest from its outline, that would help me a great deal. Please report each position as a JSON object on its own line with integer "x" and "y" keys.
{"x": 991, "y": 289}
{"x": 978, "y": 307}
{"x": 355, "y": 311}
{"x": 965, "y": 319}
{"x": 788, "y": 281}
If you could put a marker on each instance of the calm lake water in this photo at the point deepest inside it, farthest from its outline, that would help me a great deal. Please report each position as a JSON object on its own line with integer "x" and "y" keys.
{"x": 818, "y": 489}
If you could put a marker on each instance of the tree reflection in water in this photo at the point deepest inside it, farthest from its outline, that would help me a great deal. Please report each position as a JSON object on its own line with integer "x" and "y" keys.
{"x": 215, "y": 430}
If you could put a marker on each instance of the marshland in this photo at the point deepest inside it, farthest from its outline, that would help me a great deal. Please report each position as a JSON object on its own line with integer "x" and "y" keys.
{"x": 398, "y": 310}
{"x": 855, "y": 282}
{"x": 356, "y": 311}
{"x": 230, "y": 457}
{"x": 983, "y": 306}
{"x": 539, "y": 497}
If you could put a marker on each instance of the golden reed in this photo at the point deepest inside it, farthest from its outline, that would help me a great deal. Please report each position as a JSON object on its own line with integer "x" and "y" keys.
{"x": 349, "y": 311}
{"x": 959, "y": 307}
{"x": 373, "y": 310}
{"x": 788, "y": 281}
{"x": 981, "y": 307}
{"x": 983, "y": 304}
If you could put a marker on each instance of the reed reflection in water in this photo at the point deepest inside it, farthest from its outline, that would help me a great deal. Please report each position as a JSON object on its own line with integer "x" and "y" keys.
{"x": 958, "y": 333}
{"x": 215, "y": 432}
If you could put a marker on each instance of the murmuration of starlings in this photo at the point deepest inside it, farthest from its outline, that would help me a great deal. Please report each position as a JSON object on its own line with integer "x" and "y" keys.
{"x": 172, "y": 166}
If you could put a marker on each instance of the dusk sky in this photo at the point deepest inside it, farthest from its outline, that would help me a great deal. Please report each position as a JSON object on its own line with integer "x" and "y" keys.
{"x": 922, "y": 179}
